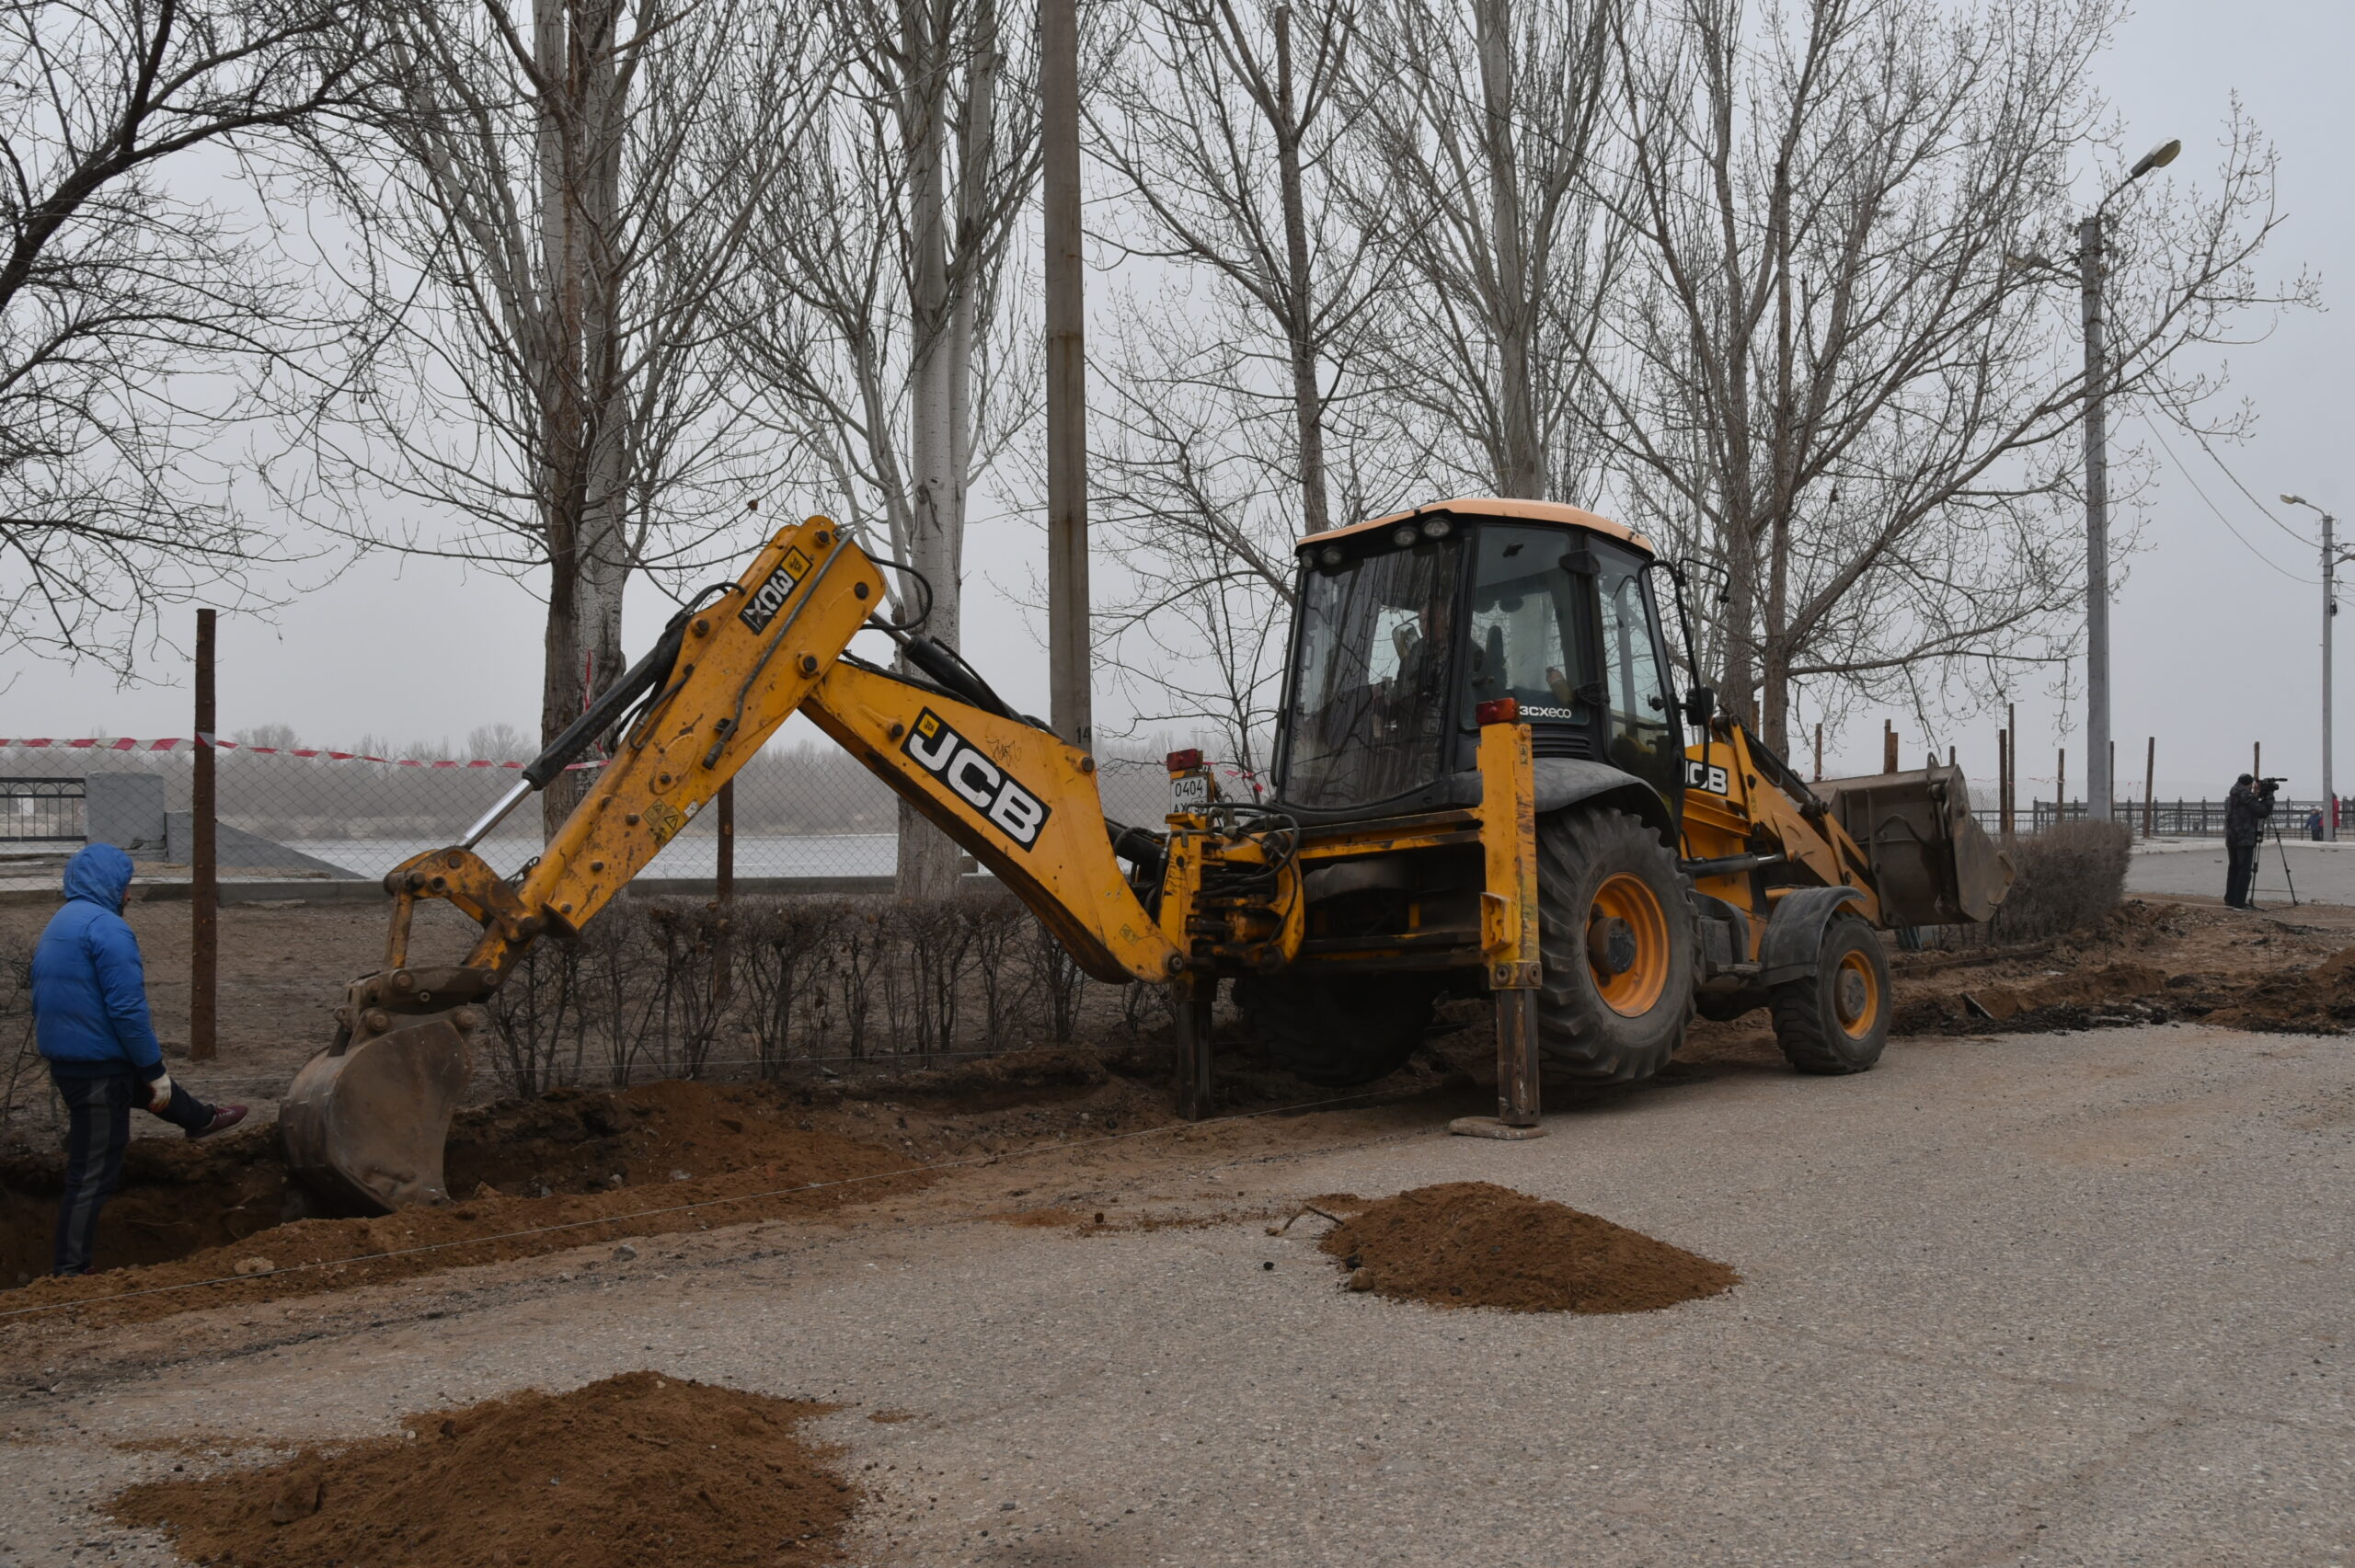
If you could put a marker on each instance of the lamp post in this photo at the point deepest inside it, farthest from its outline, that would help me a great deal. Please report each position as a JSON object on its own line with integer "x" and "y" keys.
{"x": 2100, "y": 785}
{"x": 2330, "y": 609}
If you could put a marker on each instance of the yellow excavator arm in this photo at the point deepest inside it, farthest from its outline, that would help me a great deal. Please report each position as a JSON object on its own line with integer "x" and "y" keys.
{"x": 365, "y": 1120}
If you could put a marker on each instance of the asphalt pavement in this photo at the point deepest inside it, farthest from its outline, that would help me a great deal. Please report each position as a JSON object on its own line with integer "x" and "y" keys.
{"x": 2314, "y": 874}
{"x": 2035, "y": 1300}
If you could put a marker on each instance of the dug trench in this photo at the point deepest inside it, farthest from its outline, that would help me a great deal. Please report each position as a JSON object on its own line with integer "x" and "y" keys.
{"x": 202, "y": 1224}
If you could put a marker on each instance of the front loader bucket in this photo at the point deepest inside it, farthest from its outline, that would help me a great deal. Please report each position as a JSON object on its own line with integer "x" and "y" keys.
{"x": 364, "y": 1124}
{"x": 1933, "y": 863}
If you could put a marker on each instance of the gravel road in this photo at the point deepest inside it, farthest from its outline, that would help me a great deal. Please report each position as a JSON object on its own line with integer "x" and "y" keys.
{"x": 2048, "y": 1300}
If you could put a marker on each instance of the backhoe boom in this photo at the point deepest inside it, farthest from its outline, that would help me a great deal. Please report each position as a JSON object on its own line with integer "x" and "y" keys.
{"x": 366, "y": 1119}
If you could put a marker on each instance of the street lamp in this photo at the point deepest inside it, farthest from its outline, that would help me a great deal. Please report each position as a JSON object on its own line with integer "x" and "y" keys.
{"x": 2100, "y": 786}
{"x": 2330, "y": 609}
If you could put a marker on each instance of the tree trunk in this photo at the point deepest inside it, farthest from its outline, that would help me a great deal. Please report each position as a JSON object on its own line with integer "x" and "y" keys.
{"x": 1738, "y": 690}
{"x": 584, "y": 416}
{"x": 1521, "y": 462}
{"x": 928, "y": 861}
{"x": 1299, "y": 326}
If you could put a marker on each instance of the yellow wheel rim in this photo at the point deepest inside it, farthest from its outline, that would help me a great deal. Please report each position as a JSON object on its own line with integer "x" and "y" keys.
{"x": 1635, "y": 989}
{"x": 1855, "y": 994}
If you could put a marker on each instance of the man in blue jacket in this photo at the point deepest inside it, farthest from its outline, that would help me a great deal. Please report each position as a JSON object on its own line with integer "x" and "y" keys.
{"x": 90, "y": 1019}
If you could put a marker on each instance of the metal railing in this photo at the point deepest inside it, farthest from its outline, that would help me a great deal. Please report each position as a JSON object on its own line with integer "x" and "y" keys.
{"x": 2178, "y": 818}
{"x": 40, "y": 811}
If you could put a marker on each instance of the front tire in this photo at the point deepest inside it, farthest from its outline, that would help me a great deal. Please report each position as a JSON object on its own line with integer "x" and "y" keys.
{"x": 1335, "y": 1033}
{"x": 1616, "y": 937}
{"x": 1836, "y": 1020}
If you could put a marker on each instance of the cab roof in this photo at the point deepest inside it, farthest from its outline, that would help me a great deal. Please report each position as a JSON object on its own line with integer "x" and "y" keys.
{"x": 1496, "y": 505}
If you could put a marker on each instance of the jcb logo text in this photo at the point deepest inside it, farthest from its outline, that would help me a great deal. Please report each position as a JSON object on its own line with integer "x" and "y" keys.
{"x": 980, "y": 782}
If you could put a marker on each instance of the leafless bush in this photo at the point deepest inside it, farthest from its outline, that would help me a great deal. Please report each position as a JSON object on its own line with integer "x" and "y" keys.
{"x": 542, "y": 1027}
{"x": 25, "y": 1075}
{"x": 640, "y": 993}
{"x": 2070, "y": 877}
{"x": 780, "y": 944}
{"x": 686, "y": 940}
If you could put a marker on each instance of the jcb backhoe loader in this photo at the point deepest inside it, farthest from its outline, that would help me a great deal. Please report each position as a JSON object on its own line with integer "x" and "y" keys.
{"x": 1483, "y": 782}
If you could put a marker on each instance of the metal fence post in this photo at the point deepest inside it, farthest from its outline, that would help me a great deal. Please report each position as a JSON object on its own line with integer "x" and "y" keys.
{"x": 204, "y": 912}
{"x": 723, "y": 977}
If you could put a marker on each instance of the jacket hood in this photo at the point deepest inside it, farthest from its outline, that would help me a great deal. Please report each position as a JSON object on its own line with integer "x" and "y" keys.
{"x": 99, "y": 872}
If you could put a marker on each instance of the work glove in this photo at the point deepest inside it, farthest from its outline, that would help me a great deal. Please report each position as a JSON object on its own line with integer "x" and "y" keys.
{"x": 159, "y": 1091}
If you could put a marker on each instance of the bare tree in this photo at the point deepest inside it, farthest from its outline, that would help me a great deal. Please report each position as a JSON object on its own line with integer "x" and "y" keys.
{"x": 1834, "y": 377}
{"x": 873, "y": 321}
{"x": 1238, "y": 414}
{"x": 136, "y": 317}
{"x": 550, "y": 213}
{"x": 1221, "y": 123}
{"x": 1481, "y": 124}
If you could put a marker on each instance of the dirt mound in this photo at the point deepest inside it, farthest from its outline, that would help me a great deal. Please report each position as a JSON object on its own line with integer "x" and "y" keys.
{"x": 531, "y": 1167}
{"x": 2319, "y": 1000}
{"x": 637, "y": 1469}
{"x": 1477, "y": 1245}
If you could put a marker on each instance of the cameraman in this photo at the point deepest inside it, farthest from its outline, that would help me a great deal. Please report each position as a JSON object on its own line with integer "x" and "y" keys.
{"x": 2245, "y": 810}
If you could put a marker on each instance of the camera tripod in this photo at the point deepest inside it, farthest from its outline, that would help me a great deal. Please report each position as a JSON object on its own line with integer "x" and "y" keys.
{"x": 2283, "y": 851}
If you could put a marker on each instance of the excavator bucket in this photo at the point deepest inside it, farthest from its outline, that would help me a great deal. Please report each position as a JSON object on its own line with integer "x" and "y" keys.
{"x": 1933, "y": 863}
{"x": 364, "y": 1124}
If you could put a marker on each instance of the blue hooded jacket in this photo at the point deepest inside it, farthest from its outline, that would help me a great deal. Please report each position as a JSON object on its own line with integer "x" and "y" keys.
{"x": 89, "y": 988}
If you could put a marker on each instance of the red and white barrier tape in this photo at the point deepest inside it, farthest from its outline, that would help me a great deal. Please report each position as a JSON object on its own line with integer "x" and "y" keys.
{"x": 124, "y": 743}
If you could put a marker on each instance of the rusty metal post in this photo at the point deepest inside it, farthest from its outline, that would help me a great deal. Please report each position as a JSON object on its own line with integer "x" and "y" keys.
{"x": 1819, "y": 753}
{"x": 1192, "y": 997}
{"x": 723, "y": 973}
{"x": 1888, "y": 746}
{"x": 2003, "y": 783}
{"x": 204, "y": 890}
{"x": 1070, "y": 673}
{"x": 2151, "y": 788}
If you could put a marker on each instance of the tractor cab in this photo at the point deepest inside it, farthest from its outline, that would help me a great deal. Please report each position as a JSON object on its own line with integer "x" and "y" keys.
{"x": 1407, "y": 626}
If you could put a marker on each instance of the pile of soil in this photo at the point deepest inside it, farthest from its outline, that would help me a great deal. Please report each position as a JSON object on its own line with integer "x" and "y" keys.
{"x": 1477, "y": 1245}
{"x": 639, "y": 1468}
{"x": 527, "y": 1166}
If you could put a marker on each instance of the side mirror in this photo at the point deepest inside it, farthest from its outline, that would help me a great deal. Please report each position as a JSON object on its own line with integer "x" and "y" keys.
{"x": 1700, "y": 707}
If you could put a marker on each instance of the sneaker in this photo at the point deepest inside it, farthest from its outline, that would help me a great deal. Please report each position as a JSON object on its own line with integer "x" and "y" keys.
{"x": 224, "y": 1118}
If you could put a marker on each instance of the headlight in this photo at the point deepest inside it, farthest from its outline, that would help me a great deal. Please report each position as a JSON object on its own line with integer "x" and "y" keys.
{"x": 1330, "y": 554}
{"x": 1403, "y": 536}
{"x": 1437, "y": 528}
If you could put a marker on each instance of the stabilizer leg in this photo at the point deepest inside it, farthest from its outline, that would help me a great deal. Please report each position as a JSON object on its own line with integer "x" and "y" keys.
{"x": 1190, "y": 997}
{"x": 1517, "y": 1081}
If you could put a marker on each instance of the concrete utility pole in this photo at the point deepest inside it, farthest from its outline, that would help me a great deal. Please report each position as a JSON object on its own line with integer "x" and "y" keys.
{"x": 1069, "y": 694}
{"x": 2100, "y": 786}
{"x": 2329, "y": 612}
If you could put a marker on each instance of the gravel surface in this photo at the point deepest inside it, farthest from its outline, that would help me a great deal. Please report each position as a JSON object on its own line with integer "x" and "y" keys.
{"x": 2072, "y": 1298}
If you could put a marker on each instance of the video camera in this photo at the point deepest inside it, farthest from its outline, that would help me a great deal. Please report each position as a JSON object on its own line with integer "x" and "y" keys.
{"x": 2267, "y": 787}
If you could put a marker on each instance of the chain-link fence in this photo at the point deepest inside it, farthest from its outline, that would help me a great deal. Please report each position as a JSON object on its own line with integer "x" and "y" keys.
{"x": 808, "y": 816}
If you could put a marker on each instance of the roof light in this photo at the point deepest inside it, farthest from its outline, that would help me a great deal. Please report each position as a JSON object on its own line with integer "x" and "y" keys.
{"x": 1330, "y": 554}
{"x": 1498, "y": 710}
{"x": 1403, "y": 535}
{"x": 1437, "y": 528}
{"x": 1186, "y": 760}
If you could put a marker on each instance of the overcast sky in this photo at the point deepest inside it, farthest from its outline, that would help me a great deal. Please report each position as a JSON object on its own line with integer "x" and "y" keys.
{"x": 2216, "y": 642}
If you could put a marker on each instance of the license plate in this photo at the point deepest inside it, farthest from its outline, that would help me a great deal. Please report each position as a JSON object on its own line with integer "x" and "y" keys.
{"x": 1187, "y": 794}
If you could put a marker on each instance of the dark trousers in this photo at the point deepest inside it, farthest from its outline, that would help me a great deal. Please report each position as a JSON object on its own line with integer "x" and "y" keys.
{"x": 98, "y": 1133}
{"x": 2240, "y": 869}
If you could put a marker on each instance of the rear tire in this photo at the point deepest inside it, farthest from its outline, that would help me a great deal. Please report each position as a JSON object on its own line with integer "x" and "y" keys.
{"x": 1836, "y": 1020}
{"x": 1616, "y": 935}
{"x": 1336, "y": 1033}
